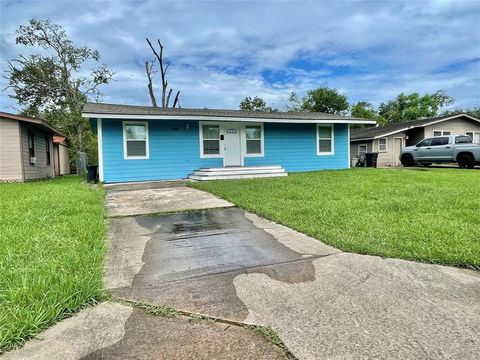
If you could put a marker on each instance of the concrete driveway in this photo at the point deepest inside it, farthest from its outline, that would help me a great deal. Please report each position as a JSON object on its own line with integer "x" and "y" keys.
{"x": 323, "y": 303}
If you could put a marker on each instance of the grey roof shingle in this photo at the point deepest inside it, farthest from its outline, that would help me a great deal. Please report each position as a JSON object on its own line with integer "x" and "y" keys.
{"x": 113, "y": 109}
{"x": 372, "y": 132}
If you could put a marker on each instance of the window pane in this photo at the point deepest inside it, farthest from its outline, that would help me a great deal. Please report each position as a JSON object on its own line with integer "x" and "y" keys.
{"x": 324, "y": 132}
{"x": 211, "y": 131}
{"x": 253, "y": 132}
{"x": 325, "y": 146}
{"x": 211, "y": 147}
{"x": 440, "y": 141}
{"x": 136, "y": 148}
{"x": 135, "y": 132}
{"x": 447, "y": 133}
{"x": 254, "y": 146}
{"x": 437, "y": 133}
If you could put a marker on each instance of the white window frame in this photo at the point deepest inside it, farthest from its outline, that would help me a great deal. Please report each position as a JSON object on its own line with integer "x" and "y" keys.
{"x": 386, "y": 144}
{"x": 442, "y": 132}
{"x": 262, "y": 142}
{"x": 147, "y": 143}
{"x": 332, "y": 131}
{"x": 220, "y": 142}
{"x": 366, "y": 148}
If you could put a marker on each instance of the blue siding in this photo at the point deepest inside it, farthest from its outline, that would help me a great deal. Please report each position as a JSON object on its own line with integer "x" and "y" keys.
{"x": 175, "y": 151}
{"x": 294, "y": 146}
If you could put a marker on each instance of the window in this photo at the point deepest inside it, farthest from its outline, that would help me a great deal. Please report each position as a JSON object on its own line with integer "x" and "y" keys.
{"x": 47, "y": 150}
{"x": 253, "y": 135}
{"x": 31, "y": 146}
{"x": 440, "y": 140}
{"x": 135, "y": 137}
{"x": 463, "y": 139}
{"x": 468, "y": 133}
{"x": 210, "y": 140}
{"x": 426, "y": 142}
{"x": 362, "y": 149}
{"x": 441, "y": 133}
{"x": 382, "y": 144}
{"x": 324, "y": 139}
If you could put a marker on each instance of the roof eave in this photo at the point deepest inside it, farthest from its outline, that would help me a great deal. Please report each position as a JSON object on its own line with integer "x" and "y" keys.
{"x": 224, "y": 118}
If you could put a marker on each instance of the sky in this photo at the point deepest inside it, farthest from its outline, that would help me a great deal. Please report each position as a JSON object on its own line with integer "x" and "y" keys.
{"x": 222, "y": 51}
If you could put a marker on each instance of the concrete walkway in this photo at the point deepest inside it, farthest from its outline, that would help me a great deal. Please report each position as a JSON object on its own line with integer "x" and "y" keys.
{"x": 230, "y": 264}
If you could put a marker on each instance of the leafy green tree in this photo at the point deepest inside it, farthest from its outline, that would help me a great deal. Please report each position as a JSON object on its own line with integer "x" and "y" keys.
{"x": 475, "y": 111}
{"x": 54, "y": 83}
{"x": 365, "y": 110}
{"x": 325, "y": 100}
{"x": 255, "y": 104}
{"x": 414, "y": 106}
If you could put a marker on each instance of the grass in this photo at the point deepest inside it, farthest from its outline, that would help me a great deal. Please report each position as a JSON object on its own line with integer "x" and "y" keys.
{"x": 51, "y": 254}
{"x": 417, "y": 214}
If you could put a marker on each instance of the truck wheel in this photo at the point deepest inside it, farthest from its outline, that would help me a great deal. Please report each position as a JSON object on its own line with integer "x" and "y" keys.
{"x": 465, "y": 161}
{"x": 407, "y": 160}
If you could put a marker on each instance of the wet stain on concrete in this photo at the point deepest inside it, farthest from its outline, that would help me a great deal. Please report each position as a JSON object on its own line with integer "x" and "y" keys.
{"x": 156, "y": 337}
{"x": 192, "y": 259}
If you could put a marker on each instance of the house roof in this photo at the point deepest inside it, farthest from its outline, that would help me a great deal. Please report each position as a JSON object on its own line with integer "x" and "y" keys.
{"x": 100, "y": 110}
{"x": 45, "y": 125}
{"x": 370, "y": 133}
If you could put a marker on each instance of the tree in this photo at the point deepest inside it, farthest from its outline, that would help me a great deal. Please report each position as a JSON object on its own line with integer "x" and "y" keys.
{"x": 53, "y": 84}
{"x": 365, "y": 110}
{"x": 295, "y": 104}
{"x": 149, "y": 70}
{"x": 413, "y": 106}
{"x": 255, "y": 104}
{"x": 325, "y": 100}
{"x": 475, "y": 111}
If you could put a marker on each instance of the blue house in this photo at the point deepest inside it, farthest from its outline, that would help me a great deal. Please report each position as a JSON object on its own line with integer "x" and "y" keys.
{"x": 142, "y": 143}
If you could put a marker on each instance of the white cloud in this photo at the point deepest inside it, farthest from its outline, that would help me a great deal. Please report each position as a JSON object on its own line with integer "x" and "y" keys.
{"x": 219, "y": 50}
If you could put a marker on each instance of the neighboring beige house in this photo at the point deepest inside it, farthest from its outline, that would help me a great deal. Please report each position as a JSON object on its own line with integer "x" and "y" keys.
{"x": 389, "y": 140}
{"x": 28, "y": 150}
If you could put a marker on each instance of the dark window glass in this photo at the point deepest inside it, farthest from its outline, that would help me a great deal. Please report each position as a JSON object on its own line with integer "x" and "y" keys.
{"x": 31, "y": 146}
{"x": 211, "y": 147}
{"x": 463, "y": 139}
{"x": 426, "y": 142}
{"x": 441, "y": 140}
{"x": 47, "y": 150}
{"x": 136, "y": 148}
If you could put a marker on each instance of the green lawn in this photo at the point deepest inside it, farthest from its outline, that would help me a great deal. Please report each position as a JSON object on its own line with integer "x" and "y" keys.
{"x": 51, "y": 254}
{"x": 428, "y": 215}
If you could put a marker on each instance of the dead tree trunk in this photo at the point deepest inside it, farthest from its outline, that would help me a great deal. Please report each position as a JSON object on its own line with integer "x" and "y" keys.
{"x": 163, "y": 76}
{"x": 148, "y": 71}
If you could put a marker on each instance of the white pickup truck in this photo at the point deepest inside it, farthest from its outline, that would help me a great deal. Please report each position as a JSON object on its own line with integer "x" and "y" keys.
{"x": 442, "y": 149}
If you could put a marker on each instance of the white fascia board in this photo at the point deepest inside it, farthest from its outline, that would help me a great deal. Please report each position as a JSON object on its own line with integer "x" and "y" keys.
{"x": 221, "y": 118}
{"x": 450, "y": 118}
{"x": 393, "y": 132}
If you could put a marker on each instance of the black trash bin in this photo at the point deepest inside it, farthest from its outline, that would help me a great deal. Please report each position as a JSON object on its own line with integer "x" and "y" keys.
{"x": 371, "y": 159}
{"x": 92, "y": 171}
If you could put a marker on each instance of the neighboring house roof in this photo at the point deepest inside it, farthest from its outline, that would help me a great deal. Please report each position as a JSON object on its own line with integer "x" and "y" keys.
{"x": 370, "y": 133}
{"x": 100, "y": 110}
{"x": 45, "y": 125}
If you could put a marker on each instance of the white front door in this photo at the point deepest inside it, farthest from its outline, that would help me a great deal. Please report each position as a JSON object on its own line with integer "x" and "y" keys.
{"x": 476, "y": 138}
{"x": 232, "y": 154}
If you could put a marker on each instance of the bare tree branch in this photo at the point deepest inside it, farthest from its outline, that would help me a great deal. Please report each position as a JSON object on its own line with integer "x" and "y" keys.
{"x": 163, "y": 75}
{"x": 148, "y": 71}
{"x": 168, "y": 96}
{"x": 175, "y": 102}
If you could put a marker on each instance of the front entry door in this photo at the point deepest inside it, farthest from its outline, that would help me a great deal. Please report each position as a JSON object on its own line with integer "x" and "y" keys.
{"x": 233, "y": 155}
{"x": 397, "y": 148}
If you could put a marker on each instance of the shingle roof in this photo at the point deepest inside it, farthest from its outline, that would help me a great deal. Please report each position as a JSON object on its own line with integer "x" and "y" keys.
{"x": 373, "y": 132}
{"x": 113, "y": 109}
{"x": 45, "y": 125}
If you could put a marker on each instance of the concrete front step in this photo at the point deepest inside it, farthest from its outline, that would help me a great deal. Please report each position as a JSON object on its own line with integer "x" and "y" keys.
{"x": 240, "y": 168}
{"x": 238, "y": 172}
{"x": 236, "y": 176}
